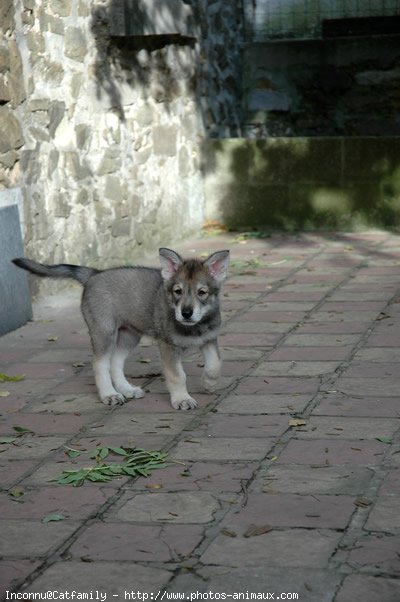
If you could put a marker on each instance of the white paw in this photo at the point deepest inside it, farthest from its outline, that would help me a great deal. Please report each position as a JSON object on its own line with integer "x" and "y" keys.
{"x": 131, "y": 392}
{"x": 210, "y": 383}
{"x": 113, "y": 400}
{"x": 184, "y": 404}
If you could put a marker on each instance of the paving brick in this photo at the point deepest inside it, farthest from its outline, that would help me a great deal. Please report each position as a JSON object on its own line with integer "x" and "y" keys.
{"x": 384, "y": 516}
{"x": 391, "y": 484}
{"x": 332, "y": 328}
{"x": 265, "y": 316}
{"x": 338, "y": 315}
{"x": 371, "y": 370}
{"x": 310, "y": 354}
{"x": 333, "y": 451}
{"x": 242, "y": 426}
{"x": 378, "y": 354}
{"x": 250, "y": 340}
{"x": 136, "y": 543}
{"x": 369, "y": 589}
{"x": 385, "y": 387}
{"x": 321, "y": 340}
{"x": 289, "y": 548}
{"x": 271, "y": 368}
{"x": 263, "y": 404}
{"x": 341, "y": 405}
{"x": 277, "y": 384}
{"x": 11, "y": 471}
{"x": 240, "y": 353}
{"x": 25, "y": 538}
{"x": 199, "y": 476}
{"x": 31, "y": 446}
{"x": 71, "y": 502}
{"x": 111, "y": 578}
{"x": 45, "y": 424}
{"x": 319, "y": 427}
{"x": 292, "y": 510}
{"x": 314, "y": 479}
{"x": 222, "y": 448}
{"x": 137, "y": 424}
{"x": 250, "y": 327}
{"x": 180, "y": 507}
{"x": 71, "y": 404}
{"x": 376, "y": 551}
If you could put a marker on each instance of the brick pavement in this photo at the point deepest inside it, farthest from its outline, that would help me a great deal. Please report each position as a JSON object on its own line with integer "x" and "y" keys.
{"x": 256, "y": 503}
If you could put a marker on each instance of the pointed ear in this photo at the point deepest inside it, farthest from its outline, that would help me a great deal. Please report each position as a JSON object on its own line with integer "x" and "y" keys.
{"x": 170, "y": 263}
{"x": 217, "y": 264}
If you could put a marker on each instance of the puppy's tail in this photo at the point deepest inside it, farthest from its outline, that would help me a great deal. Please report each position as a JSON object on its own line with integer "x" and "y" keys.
{"x": 62, "y": 270}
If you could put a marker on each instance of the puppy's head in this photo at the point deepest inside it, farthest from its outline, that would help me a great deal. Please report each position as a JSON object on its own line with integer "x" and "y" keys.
{"x": 193, "y": 285}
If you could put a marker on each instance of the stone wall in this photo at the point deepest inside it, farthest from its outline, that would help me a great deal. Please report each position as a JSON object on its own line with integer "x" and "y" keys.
{"x": 332, "y": 87}
{"x": 103, "y": 134}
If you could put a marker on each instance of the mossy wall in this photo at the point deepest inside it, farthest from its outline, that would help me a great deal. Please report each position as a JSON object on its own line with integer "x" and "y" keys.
{"x": 303, "y": 183}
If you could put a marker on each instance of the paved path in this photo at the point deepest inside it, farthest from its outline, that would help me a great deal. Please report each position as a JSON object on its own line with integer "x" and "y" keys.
{"x": 288, "y": 480}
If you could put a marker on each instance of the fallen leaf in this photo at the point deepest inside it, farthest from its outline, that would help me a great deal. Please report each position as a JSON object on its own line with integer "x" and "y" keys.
{"x": 154, "y": 486}
{"x": 50, "y": 518}
{"x": 5, "y": 378}
{"x": 228, "y": 533}
{"x": 52, "y": 338}
{"x": 387, "y": 440}
{"x": 362, "y": 502}
{"x": 22, "y": 430}
{"x": 253, "y": 530}
{"x": 297, "y": 422}
{"x": 4, "y": 393}
{"x": 16, "y": 492}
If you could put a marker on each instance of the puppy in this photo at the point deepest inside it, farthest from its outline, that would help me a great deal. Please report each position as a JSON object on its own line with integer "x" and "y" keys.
{"x": 177, "y": 305}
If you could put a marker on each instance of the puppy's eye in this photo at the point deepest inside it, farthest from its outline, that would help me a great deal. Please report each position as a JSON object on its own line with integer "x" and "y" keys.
{"x": 202, "y": 292}
{"x": 177, "y": 291}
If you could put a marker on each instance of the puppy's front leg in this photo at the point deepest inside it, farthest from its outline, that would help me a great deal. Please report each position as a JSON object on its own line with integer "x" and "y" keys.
{"x": 212, "y": 365}
{"x": 175, "y": 378}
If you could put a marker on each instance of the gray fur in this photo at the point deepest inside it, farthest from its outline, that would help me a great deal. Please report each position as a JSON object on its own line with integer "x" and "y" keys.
{"x": 177, "y": 305}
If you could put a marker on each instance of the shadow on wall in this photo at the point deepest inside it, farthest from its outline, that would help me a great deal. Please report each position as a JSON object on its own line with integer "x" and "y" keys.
{"x": 134, "y": 52}
{"x": 304, "y": 183}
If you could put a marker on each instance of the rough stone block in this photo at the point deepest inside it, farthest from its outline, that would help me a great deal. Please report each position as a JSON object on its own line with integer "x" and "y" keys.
{"x": 75, "y": 44}
{"x": 11, "y": 133}
{"x": 165, "y": 140}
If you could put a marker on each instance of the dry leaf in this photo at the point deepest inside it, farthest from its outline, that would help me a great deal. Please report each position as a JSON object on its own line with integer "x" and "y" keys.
{"x": 228, "y": 533}
{"x": 297, "y": 422}
{"x": 362, "y": 502}
{"x": 253, "y": 530}
{"x": 153, "y": 486}
{"x": 52, "y": 338}
{"x": 4, "y": 393}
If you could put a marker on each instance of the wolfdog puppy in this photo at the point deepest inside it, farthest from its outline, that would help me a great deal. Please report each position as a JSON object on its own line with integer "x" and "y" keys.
{"x": 177, "y": 305}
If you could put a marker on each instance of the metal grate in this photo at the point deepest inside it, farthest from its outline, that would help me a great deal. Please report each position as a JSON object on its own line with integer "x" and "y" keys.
{"x": 278, "y": 19}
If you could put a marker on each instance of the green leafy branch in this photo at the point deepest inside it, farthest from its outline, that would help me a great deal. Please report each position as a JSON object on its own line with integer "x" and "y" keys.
{"x": 135, "y": 462}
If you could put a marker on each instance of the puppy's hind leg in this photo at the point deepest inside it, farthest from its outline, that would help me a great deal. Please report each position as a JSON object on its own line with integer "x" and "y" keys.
{"x": 127, "y": 340}
{"x": 103, "y": 347}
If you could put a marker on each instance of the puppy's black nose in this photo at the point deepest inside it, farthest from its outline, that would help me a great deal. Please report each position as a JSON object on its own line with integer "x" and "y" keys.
{"x": 187, "y": 312}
